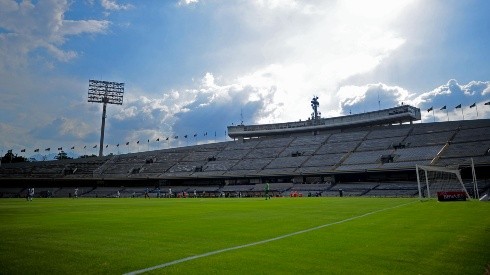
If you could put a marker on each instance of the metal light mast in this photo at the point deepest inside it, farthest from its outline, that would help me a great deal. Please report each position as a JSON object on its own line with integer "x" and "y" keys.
{"x": 107, "y": 93}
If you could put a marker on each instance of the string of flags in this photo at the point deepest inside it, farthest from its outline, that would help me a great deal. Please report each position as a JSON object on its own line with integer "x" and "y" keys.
{"x": 48, "y": 149}
{"x": 459, "y": 106}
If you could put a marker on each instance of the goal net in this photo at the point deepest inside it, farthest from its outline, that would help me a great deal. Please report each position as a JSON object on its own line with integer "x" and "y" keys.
{"x": 441, "y": 183}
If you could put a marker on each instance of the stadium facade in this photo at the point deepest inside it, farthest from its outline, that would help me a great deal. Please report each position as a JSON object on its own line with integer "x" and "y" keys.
{"x": 369, "y": 154}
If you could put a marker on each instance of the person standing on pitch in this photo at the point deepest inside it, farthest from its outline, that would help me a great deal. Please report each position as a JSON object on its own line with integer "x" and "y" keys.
{"x": 267, "y": 188}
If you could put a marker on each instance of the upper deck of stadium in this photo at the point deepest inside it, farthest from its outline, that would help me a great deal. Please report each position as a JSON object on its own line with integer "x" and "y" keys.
{"x": 315, "y": 125}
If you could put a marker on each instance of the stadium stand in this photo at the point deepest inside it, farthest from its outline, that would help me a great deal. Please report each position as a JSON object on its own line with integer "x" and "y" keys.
{"x": 378, "y": 155}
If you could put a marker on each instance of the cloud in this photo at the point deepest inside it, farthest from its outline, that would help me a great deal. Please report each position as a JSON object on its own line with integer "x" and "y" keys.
{"x": 29, "y": 27}
{"x": 365, "y": 98}
{"x": 113, "y": 5}
{"x": 187, "y": 2}
{"x": 64, "y": 129}
{"x": 371, "y": 97}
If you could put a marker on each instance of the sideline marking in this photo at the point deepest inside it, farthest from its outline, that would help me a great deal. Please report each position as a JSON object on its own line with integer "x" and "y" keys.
{"x": 259, "y": 242}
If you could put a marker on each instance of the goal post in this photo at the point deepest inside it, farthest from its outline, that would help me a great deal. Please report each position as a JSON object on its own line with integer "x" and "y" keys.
{"x": 435, "y": 181}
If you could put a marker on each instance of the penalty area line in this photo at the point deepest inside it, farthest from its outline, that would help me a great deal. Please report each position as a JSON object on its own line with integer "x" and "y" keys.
{"x": 261, "y": 242}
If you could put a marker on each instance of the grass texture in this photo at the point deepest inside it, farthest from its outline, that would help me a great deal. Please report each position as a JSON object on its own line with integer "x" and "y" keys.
{"x": 116, "y": 236}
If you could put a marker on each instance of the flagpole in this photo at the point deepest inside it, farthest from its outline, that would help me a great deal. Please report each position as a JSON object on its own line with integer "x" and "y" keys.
{"x": 447, "y": 113}
{"x": 476, "y": 106}
{"x": 433, "y": 115}
{"x": 462, "y": 112}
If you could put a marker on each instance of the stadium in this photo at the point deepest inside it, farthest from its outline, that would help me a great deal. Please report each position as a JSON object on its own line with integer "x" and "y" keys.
{"x": 206, "y": 211}
{"x": 371, "y": 154}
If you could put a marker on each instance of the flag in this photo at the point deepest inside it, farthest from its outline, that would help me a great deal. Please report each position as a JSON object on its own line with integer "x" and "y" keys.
{"x": 158, "y": 139}
{"x": 138, "y": 142}
{"x": 148, "y": 141}
{"x": 117, "y": 145}
{"x": 176, "y": 137}
{"x": 459, "y": 106}
{"x": 73, "y": 147}
{"x": 84, "y": 147}
{"x": 127, "y": 143}
{"x": 430, "y": 109}
{"x": 36, "y": 150}
{"x": 95, "y": 146}
{"x": 107, "y": 146}
{"x": 195, "y": 135}
{"x": 48, "y": 149}
{"x": 166, "y": 139}
{"x": 23, "y": 150}
{"x": 60, "y": 148}
{"x": 185, "y": 136}
{"x": 443, "y": 107}
{"x": 488, "y": 103}
{"x": 473, "y": 105}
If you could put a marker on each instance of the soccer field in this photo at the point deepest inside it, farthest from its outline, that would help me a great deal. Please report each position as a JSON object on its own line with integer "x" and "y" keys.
{"x": 248, "y": 236}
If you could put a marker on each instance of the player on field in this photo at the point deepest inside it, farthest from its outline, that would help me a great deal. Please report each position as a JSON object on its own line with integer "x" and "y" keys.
{"x": 267, "y": 188}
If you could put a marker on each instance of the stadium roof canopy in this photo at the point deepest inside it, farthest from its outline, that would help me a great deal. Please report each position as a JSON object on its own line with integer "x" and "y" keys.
{"x": 399, "y": 114}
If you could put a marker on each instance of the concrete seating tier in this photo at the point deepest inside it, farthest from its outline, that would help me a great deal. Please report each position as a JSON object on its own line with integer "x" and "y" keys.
{"x": 389, "y": 131}
{"x": 185, "y": 167}
{"x": 417, "y": 153}
{"x": 232, "y": 154}
{"x": 274, "y": 142}
{"x": 199, "y": 156}
{"x": 424, "y": 128}
{"x": 347, "y": 136}
{"x": 379, "y": 144}
{"x": 337, "y": 147}
{"x": 120, "y": 169}
{"x": 309, "y": 140}
{"x": 156, "y": 167}
{"x": 323, "y": 160}
{"x": 251, "y": 164}
{"x": 303, "y": 150}
{"x": 236, "y": 145}
{"x": 463, "y": 161}
{"x": 264, "y": 153}
{"x": 286, "y": 162}
{"x": 455, "y": 150}
{"x": 404, "y": 165}
{"x": 219, "y": 165}
{"x": 429, "y": 139}
{"x": 372, "y": 157}
{"x": 358, "y": 167}
{"x": 474, "y": 134}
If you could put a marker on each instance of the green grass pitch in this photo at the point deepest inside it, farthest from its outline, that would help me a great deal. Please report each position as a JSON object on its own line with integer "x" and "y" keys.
{"x": 116, "y": 236}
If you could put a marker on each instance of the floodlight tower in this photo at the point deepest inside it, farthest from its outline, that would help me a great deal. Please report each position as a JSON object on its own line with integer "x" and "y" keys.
{"x": 107, "y": 93}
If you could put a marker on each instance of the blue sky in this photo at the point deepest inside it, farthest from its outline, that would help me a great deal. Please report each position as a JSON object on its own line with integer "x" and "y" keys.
{"x": 196, "y": 66}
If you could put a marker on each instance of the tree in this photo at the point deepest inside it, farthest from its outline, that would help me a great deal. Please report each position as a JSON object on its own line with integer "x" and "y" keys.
{"x": 62, "y": 155}
{"x": 11, "y": 158}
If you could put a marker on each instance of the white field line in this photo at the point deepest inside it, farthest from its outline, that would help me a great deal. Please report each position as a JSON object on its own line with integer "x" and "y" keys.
{"x": 259, "y": 242}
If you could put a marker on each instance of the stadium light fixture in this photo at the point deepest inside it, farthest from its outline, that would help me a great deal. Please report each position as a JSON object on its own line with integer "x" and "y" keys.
{"x": 107, "y": 93}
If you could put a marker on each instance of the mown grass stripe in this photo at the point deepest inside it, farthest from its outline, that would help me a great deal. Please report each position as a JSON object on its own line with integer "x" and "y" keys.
{"x": 261, "y": 242}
